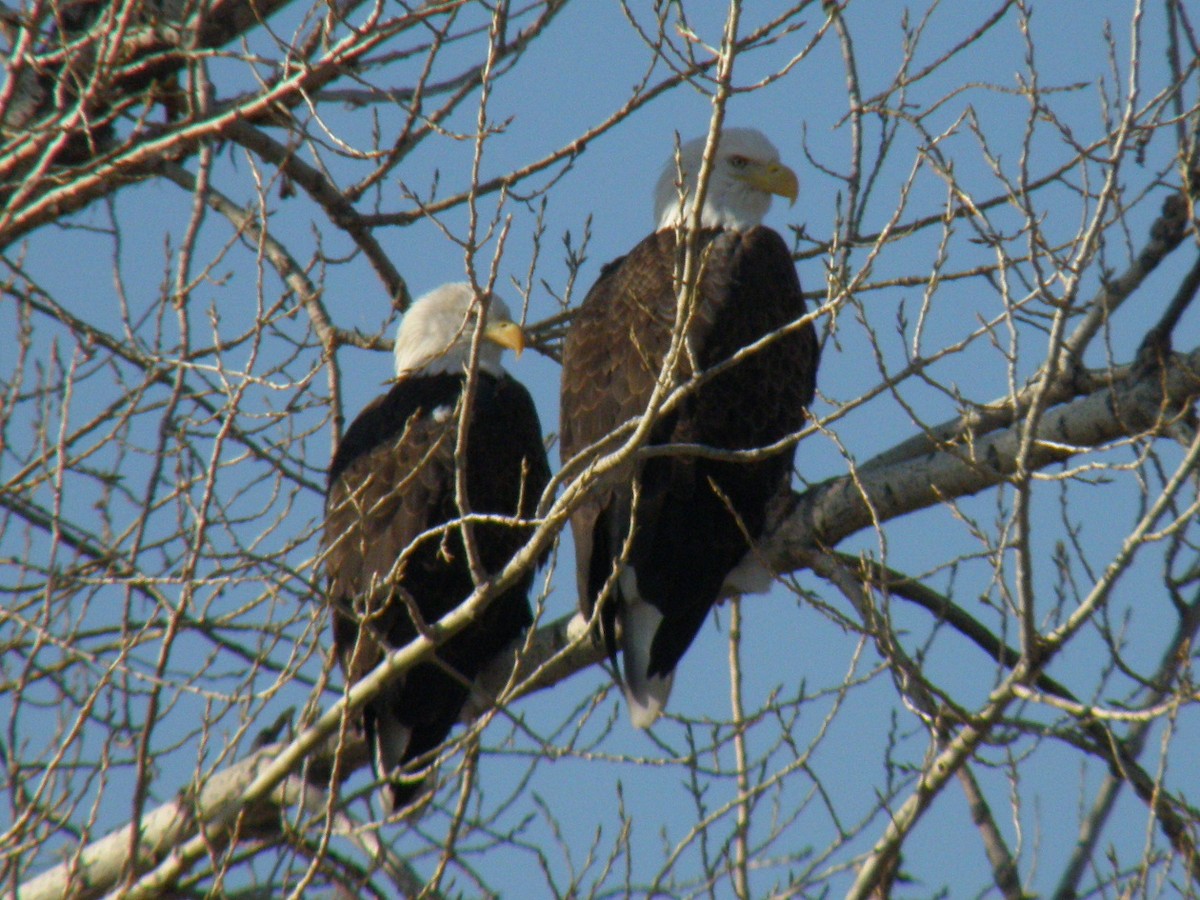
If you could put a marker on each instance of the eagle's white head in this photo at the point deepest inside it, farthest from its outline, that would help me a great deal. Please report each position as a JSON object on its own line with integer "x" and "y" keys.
{"x": 434, "y": 336}
{"x": 746, "y": 172}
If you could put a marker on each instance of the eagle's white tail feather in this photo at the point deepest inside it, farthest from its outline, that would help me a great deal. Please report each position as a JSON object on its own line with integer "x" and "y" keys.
{"x": 391, "y": 743}
{"x": 750, "y": 576}
{"x": 647, "y": 695}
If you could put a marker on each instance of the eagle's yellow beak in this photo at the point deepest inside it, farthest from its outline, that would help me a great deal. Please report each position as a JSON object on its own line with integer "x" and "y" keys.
{"x": 506, "y": 334}
{"x": 774, "y": 178}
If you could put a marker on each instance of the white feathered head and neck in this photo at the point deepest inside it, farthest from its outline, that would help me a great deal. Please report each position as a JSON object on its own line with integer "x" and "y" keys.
{"x": 746, "y": 173}
{"x": 434, "y": 337}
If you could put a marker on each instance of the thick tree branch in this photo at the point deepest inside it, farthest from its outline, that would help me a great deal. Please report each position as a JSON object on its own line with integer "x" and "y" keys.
{"x": 830, "y": 512}
{"x": 1070, "y": 381}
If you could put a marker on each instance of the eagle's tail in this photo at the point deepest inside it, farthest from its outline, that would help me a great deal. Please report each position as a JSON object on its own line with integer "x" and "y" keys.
{"x": 390, "y": 741}
{"x": 646, "y": 694}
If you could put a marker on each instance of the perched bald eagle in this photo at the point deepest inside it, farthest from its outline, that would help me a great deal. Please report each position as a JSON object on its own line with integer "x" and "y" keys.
{"x": 392, "y": 488}
{"x": 693, "y": 517}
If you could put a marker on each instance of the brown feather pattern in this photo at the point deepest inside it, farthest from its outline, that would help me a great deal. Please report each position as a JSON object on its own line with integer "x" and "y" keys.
{"x": 391, "y": 487}
{"x": 686, "y": 540}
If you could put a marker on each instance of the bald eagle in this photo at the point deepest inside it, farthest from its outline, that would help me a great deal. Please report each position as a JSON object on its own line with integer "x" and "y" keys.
{"x": 393, "y": 533}
{"x": 669, "y": 535}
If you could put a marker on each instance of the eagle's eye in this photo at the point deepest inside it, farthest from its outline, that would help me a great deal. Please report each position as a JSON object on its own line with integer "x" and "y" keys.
{"x": 739, "y": 162}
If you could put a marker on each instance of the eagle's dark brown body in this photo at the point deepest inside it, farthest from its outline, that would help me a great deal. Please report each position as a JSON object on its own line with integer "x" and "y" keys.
{"x": 390, "y": 483}
{"x": 696, "y": 516}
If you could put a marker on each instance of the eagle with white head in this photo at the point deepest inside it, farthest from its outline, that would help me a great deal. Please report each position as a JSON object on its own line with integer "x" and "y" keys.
{"x": 393, "y": 540}
{"x": 660, "y": 541}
